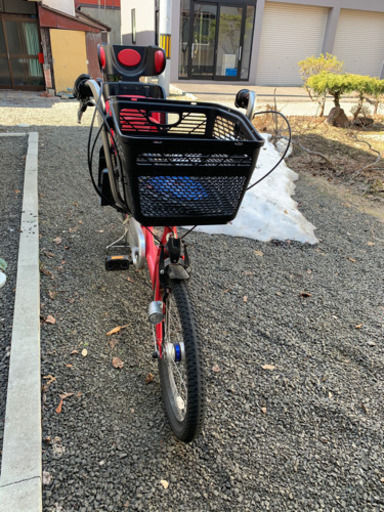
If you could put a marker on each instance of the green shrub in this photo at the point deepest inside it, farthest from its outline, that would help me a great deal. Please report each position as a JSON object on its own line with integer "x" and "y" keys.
{"x": 329, "y": 83}
{"x": 337, "y": 85}
{"x": 311, "y": 66}
{"x": 374, "y": 93}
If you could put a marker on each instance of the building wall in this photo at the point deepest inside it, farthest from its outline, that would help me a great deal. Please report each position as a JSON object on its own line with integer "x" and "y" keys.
{"x": 334, "y": 6}
{"x": 17, "y": 7}
{"x": 145, "y": 21}
{"x": 175, "y": 41}
{"x": 67, "y": 6}
{"x": 114, "y": 4}
{"x": 366, "y": 5}
{"x": 145, "y": 25}
{"x": 108, "y": 16}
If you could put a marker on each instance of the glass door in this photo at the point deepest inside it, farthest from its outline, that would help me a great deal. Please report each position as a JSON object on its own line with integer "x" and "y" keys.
{"x": 215, "y": 40}
{"x": 229, "y": 47}
{"x": 202, "y": 44}
{"x": 246, "y": 45}
{"x": 5, "y": 74}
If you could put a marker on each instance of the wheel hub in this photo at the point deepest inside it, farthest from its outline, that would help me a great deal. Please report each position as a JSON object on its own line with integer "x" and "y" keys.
{"x": 173, "y": 352}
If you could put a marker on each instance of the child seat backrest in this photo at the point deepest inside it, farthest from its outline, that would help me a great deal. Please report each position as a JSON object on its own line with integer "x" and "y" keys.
{"x": 128, "y": 63}
{"x": 122, "y": 67}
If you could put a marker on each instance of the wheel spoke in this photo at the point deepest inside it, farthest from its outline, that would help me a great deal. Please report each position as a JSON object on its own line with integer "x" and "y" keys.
{"x": 181, "y": 374}
{"x": 177, "y": 377}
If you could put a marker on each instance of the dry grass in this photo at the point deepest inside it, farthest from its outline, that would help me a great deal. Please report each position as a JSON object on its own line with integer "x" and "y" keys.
{"x": 351, "y": 156}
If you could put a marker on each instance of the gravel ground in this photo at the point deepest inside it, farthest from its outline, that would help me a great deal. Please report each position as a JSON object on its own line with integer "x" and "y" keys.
{"x": 12, "y": 156}
{"x": 304, "y": 433}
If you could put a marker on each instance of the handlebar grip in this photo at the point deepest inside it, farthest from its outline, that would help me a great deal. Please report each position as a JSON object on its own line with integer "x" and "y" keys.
{"x": 242, "y": 98}
{"x": 81, "y": 91}
{"x": 246, "y": 99}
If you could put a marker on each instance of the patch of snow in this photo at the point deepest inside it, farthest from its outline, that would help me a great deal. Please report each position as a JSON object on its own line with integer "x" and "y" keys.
{"x": 268, "y": 211}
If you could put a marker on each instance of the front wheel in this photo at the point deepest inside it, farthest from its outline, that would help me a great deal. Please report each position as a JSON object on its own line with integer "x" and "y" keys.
{"x": 180, "y": 364}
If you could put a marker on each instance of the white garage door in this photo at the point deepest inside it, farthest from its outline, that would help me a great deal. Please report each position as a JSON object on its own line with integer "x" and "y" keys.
{"x": 289, "y": 34}
{"x": 359, "y": 41}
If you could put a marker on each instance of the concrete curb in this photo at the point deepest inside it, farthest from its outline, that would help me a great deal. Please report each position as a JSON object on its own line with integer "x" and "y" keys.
{"x": 21, "y": 476}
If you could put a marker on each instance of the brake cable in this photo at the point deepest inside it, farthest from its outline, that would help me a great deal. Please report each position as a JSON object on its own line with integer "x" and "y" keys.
{"x": 90, "y": 151}
{"x": 289, "y": 139}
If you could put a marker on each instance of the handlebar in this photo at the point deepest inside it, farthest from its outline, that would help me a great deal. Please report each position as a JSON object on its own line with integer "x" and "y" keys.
{"x": 89, "y": 94}
{"x": 84, "y": 89}
{"x": 246, "y": 99}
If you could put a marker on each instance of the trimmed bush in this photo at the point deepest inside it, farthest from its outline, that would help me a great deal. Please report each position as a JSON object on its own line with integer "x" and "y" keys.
{"x": 311, "y": 66}
{"x": 337, "y": 85}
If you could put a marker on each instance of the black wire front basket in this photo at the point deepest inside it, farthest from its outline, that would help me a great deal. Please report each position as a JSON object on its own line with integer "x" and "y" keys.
{"x": 181, "y": 162}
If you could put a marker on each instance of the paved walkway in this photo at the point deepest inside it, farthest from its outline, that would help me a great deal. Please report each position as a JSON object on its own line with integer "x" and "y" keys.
{"x": 289, "y": 100}
{"x": 223, "y": 91}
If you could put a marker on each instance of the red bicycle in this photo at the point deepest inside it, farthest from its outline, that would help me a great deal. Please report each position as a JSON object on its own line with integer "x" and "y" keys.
{"x": 166, "y": 163}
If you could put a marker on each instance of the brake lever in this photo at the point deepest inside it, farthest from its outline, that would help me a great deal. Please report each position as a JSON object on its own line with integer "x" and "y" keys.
{"x": 82, "y": 109}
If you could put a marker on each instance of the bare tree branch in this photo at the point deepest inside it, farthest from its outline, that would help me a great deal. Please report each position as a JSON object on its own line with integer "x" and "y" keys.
{"x": 378, "y": 158}
{"x": 314, "y": 153}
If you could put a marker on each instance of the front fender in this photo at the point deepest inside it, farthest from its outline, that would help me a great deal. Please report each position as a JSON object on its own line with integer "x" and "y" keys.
{"x": 177, "y": 271}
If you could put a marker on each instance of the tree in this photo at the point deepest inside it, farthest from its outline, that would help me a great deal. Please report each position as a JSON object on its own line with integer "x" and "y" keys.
{"x": 370, "y": 89}
{"x": 337, "y": 85}
{"x": 311, "y": 66}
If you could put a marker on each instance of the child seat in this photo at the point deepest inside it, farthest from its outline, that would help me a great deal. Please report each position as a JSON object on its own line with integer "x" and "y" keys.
{"x": 123, "y": 66}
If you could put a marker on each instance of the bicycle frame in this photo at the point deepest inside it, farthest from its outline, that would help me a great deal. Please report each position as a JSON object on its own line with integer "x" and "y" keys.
{"x": 152, "y": 254}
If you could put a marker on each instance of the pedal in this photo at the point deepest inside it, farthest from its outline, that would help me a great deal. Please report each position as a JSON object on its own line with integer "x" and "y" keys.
{"x": 117, "y": 262}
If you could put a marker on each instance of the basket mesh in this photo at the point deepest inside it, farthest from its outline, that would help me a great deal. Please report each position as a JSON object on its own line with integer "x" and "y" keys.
{"x": 178, "y": 196}
{"x": 141, "y": 121}
{"x": 226, "y": 130}
{"x": 193, "y": 159}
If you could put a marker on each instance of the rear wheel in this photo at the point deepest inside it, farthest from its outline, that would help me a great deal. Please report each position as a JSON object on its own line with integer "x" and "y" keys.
{"x": 180, "y": 365}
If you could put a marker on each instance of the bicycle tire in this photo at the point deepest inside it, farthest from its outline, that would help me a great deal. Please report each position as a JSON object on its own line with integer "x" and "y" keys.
{"x": 180, "y": 364}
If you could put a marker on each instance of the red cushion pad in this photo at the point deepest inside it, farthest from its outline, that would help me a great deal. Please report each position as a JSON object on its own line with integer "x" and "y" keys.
{"x": 133, "y": 120}
{"x": 102, "y": 57}
{"x": 159, "y": 62}
{"x": 129, "y": 57}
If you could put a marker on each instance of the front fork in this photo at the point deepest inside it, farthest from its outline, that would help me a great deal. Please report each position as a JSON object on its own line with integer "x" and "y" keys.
{"x": 164, "y": 260}
{"x": 170, "y": 263}
{"x": 154, "y": 256}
